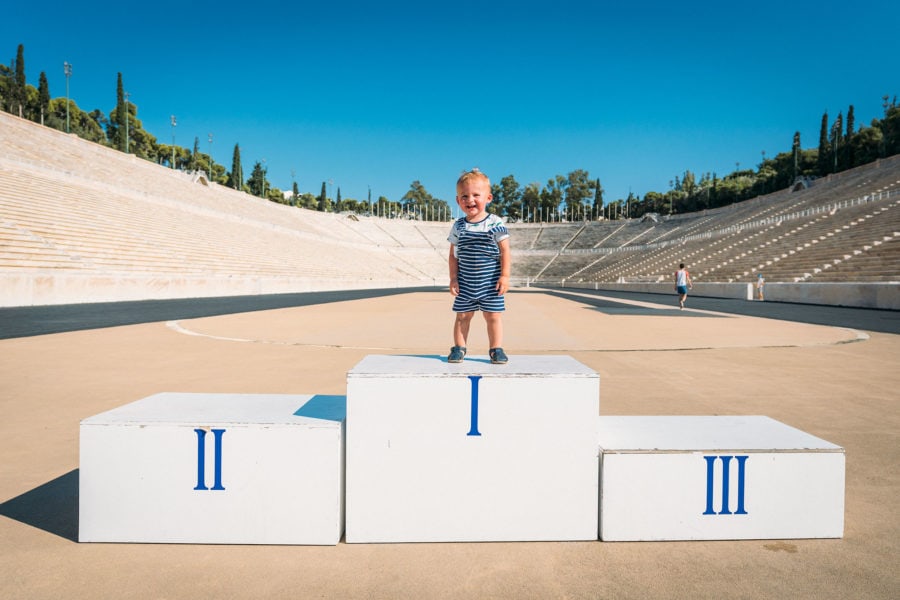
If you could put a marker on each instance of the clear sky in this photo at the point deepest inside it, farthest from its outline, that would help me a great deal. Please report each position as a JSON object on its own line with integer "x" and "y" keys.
{"x": 378, "y": 94}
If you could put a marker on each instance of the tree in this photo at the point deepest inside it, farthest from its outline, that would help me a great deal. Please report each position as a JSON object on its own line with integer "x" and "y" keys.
{"x": 531, "y": 198}
{"x": 578, "y": 187}
{"x": 507, "y": 198}
{"x": 837, "y": 130}
{"x": 236, "y": 176}
{"x": 6, "y": 85}
{"x": 890, "y": 128}
{"x": 323, "y": 202}
{"x": 598, "y": 199}
{"x": 551, "y": 198}
{"x": 295, "y": 193}
{"x": 16, "y": 94}
{"x": 847, "y": 150}
{"x": 416, "y": 199}
{"x": 118, "y": 119}
{"x": 43, "y": 96}
{"x": 82, "y": 124}
{"x": 195, "y": 155}
{"x": 419, "y": 203}
{"x": 868, "y": 143}
{"x": 307, "y": 200}
{"x": 795, "y": 155}
{"x": 257, "y": 181}
{"x": 822, "y": 165}
{"x": 338, "y": 207}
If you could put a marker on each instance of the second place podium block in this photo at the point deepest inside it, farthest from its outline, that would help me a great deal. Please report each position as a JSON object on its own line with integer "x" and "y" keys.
{"x": 471, "y": 451}
{"x": 214, "y": 469}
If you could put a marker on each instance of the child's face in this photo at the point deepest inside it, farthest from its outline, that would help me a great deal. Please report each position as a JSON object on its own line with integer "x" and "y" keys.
{"x": 473, "y": 196}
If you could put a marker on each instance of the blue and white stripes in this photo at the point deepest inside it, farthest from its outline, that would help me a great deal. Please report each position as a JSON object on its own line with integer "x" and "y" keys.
{"x": 476, "y": 247}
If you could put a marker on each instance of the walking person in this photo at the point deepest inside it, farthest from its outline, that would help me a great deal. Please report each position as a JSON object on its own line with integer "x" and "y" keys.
{"x": 682, "y": 284}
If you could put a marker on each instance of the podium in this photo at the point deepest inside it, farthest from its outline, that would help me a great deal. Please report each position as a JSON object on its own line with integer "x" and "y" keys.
{"x": 717, "y": 478}
{"x": 214, "y": 469}
{"x": 471, "y": 451}
{"x": 420, "y": 450}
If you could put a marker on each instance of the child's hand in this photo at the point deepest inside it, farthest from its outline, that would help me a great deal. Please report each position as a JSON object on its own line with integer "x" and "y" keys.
{"x": 502, "y": 285}
{"x": 454, "y": 287}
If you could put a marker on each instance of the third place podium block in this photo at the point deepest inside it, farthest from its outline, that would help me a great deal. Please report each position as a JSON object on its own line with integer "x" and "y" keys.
{"x": 440, "y": 452}
{"x": 717, "y": 478}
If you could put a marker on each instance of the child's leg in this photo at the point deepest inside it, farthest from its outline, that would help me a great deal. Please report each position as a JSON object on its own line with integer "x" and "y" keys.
{"x": 494, "y": 322}
{"x": 461, "y": 328}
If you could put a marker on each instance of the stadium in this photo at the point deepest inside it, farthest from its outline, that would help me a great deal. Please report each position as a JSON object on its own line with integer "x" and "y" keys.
{"x": 122, "y": 279}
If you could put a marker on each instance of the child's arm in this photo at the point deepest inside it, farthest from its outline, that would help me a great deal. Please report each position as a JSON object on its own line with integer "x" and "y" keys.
{"x": 505, "y": 262}
{"x": 454, "y": 271}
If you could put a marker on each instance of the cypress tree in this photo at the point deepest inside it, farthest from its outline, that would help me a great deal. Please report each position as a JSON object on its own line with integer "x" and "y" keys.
{"x": 796, "y": 152}
{"x": 849, "y": 154}
{"x": 323, "y": 198}
{"x": 17, "y": 97}
{"x": 837, "y": 130}
{"x": 43, "y": 97}
{"x": 236, "y": 177}
{"x": 195, "y": 156}
{"x": 598, "y": 198}
{"x": 118, "y": 137}
{"x": 822, "y": 159}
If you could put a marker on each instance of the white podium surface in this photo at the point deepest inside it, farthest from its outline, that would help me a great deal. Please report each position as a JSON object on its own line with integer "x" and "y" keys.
{"x": 214, "y": 468}
{"x": 717, "y": 477}
{"x": 471, "y": 451}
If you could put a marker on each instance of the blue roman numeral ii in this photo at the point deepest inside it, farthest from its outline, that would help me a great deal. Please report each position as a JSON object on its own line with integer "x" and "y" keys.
{"x": 726, "y": 471}
{"x": 217, "y": 459}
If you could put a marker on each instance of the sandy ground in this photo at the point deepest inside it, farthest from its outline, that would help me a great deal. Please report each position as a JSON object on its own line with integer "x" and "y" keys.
{"x": 836, "y": 383}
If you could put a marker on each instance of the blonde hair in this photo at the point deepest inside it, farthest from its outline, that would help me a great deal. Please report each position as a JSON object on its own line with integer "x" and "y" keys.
{"x": 474, "y": 173}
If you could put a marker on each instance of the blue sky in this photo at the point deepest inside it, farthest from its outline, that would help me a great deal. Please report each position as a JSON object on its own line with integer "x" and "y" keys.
{"x": 379, "y": 94}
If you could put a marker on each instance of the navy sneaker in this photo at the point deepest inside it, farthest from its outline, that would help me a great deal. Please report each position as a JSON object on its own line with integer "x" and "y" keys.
{"x": 457, "y": 354}
{"x": 498, "y": 356}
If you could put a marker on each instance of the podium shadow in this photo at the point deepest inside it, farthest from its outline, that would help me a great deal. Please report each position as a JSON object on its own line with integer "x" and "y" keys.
{"x": 443, "y": 358}
{"x": 324, "y": 406}
{"x": 52, "y": 507}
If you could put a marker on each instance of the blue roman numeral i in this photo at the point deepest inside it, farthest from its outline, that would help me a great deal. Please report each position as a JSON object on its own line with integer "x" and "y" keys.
{"x": 473, "y": 411}
{"x": 217, "y": 459}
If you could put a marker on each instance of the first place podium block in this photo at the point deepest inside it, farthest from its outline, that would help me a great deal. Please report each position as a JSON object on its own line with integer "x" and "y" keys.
{"x": 214, "y": 469}
{"x": 717, "y": 478}
{"x": 440, "y": 452}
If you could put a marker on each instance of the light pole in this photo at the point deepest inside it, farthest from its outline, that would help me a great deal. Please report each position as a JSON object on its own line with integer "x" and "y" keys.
{"x": 174, "y": 124}
{"x": 67, "y": 69}
{"x": 210, "y": 157}
{"x": 127, "y": 96}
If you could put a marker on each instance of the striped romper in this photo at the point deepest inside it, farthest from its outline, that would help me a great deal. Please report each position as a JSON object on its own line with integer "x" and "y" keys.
{"x": 476, "y": 246}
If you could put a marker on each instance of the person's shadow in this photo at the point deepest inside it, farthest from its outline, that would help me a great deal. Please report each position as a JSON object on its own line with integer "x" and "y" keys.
{"x": 52, "y": 507}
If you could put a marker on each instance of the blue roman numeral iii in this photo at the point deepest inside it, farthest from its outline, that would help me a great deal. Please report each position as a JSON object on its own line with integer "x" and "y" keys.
{"x": 217, "y": 459}
{"x": 726, "y": 471}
